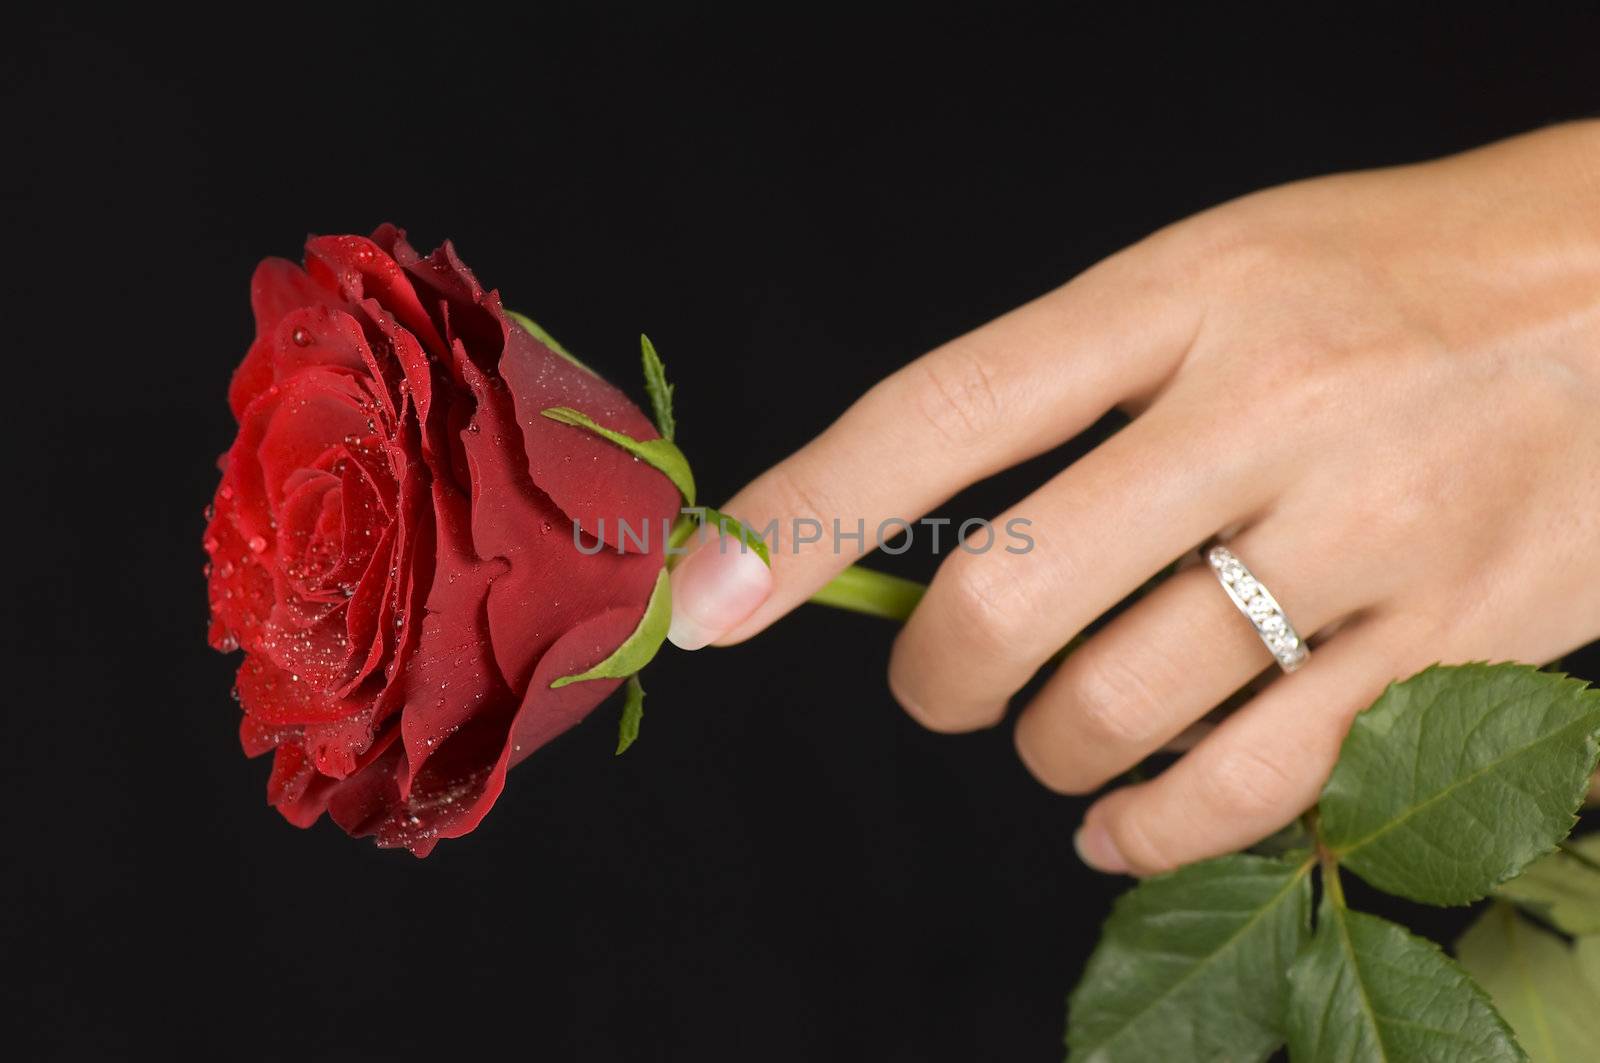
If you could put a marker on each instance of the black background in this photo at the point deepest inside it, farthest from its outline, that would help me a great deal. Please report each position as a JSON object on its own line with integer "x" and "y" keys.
{"x": 785, "y": 867}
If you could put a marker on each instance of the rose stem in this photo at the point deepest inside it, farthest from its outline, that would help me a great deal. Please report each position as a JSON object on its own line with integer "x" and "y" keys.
{"x": 862, "y": 590}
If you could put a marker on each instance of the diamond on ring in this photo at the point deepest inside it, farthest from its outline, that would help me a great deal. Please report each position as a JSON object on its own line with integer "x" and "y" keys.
{"x": 1260, "y": 608}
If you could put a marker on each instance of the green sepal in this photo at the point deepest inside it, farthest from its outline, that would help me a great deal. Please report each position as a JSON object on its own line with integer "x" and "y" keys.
{"x": 532, "y": 328}
{"x": 639, "y": 648}
{"x": 632, "y": 713}
{"x": 662, "y": 454}
{"x": 656, "y": 386}
{"x": 682, "y": 529}
{"x": 731, "y": 527}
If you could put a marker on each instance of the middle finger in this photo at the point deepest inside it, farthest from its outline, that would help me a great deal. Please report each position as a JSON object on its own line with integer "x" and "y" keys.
{"x": 1100, "y": 528}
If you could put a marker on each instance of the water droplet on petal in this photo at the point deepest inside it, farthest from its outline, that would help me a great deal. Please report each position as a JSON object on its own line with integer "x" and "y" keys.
{"x": 257, "y": 544}
{"x": 301, "y": 337}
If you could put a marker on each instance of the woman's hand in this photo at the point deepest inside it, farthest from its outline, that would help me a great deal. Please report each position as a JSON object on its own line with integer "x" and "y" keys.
{"x": 1382, "y": 388}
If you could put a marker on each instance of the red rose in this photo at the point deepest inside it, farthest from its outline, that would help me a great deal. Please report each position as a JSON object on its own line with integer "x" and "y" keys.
{"x": 392, "y": 543}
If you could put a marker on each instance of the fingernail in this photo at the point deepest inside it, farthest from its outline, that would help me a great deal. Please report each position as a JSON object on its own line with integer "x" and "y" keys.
{"x": 713, "y": 589}
{"x": 1095, "y": 848}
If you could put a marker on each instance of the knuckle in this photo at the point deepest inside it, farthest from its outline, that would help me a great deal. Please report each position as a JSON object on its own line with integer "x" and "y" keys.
{"x": 795, "y": 497}
{"x": 954, "y": 391}
{"x": 1232, "y": 239}
{"x": 990, "y": 605}
{"x": 1113, "y": 702}
{"x": 1245, "y": 784}
{"x": 1144, "y": 852}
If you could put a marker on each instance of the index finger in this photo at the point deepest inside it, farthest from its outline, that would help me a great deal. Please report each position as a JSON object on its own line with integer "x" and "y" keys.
{"x": 1007, "y": 391}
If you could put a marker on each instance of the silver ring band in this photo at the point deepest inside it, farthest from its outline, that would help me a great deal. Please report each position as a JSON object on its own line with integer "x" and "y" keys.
{"x": 1260, "y": 608}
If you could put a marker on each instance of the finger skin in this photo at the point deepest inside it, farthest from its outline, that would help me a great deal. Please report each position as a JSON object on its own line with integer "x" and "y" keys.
{"x": 1260, "y": 768}
{"x": 1008, "y": 391}
{"x": 1102, "y": 528}
{"x": 1174, "y": 656}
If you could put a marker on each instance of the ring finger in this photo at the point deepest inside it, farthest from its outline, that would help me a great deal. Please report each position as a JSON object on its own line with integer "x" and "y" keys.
{"x": 1172, "y": 657}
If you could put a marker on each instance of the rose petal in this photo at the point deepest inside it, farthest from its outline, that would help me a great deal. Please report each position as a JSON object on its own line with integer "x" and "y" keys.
{"x": 549, "y": 585}
{"x": 594, "y": 482}
{"x": 317, "y": 336}
{"x": 452, "y": 674}
{"x": 336, "y": 748}
{"x": 257, "y": 738}
{"x": 290, "y": 784}
{"x": 239, "y": 586}
{"x": 315, "y": 412}
{"x": 590, "y": 479}
{"x": 277, "y": 698}
{"x": 413, "y": 361}
{"x": 360, "y": 269}
{"x": 278, "y": 287}
{"x": 306, "y": 793}
{"x": 460, "y": 783}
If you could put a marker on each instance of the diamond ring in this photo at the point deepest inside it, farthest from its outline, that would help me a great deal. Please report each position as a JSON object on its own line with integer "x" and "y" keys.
{"x": 1260, "y": 608}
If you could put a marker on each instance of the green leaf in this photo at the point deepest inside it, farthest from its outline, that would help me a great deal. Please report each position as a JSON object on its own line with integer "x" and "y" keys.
{"x": 531, "y": 327}
{"x": 1588, "y": 950}
{"x": 1562, "y": 889}
{"x": 632, "y": 713}
{"x": 656, "y": 386}
{"x": 1534, "y": 979}
{"x": 1191, "y": 964}
{"x": 1365, "y": 989}
{"x": 639, "y": 648}
{"x": 1458, "y": 778}
{"x": 663, "y": 454}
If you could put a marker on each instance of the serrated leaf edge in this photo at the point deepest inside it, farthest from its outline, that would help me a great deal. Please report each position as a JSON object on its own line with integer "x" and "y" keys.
{"x": 1343, "y": 852}
{"x": 1298, "y": 873}
{"x": 1347, "y": 949}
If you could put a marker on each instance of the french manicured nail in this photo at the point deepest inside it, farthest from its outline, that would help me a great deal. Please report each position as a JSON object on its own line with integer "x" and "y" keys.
{"x": 1096, "y": 849}
{"x": 713, "y": 589}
